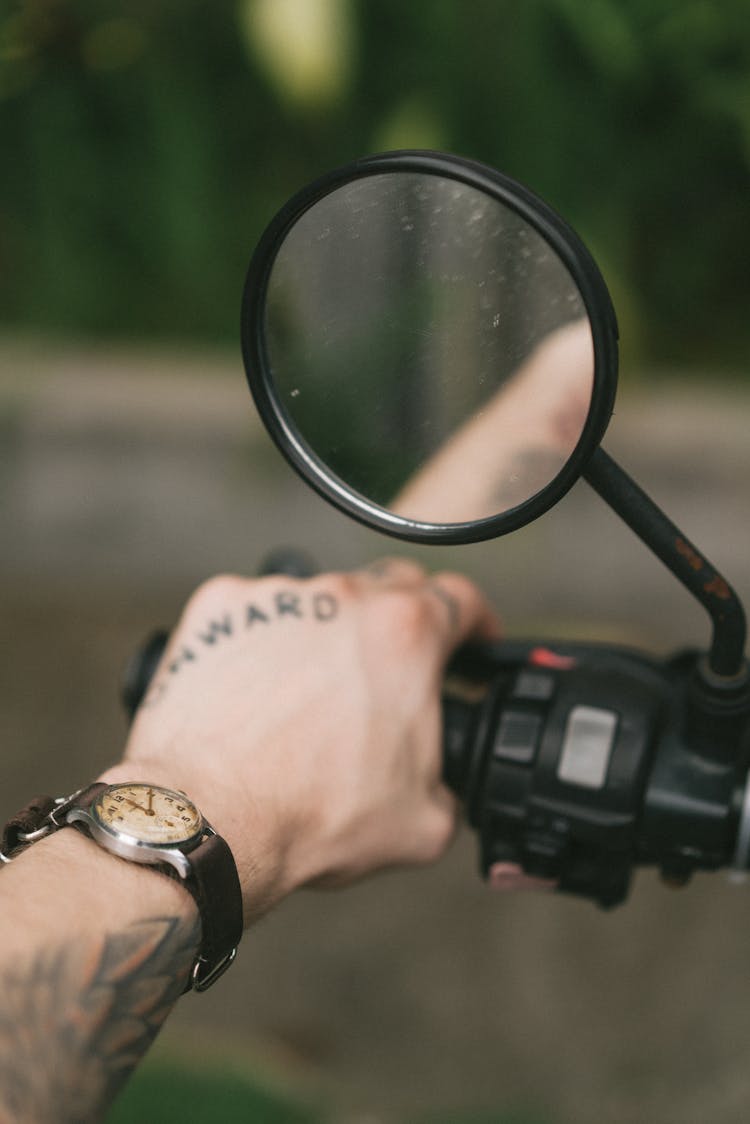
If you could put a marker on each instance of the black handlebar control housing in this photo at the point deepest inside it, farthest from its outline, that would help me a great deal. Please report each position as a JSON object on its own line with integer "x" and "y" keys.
{"x": 574, "y": 763}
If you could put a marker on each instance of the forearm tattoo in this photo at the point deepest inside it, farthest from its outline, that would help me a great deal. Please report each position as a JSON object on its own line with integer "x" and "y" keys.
{"x": 287, "y": 605}
{"x": 76, "y": 1019}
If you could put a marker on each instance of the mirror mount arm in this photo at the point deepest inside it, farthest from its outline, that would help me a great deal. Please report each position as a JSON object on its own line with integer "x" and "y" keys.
{"x": 725, "y": 673}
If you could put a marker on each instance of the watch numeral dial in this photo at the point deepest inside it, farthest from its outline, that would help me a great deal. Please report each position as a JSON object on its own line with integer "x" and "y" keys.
{"x": 147, "y": 813}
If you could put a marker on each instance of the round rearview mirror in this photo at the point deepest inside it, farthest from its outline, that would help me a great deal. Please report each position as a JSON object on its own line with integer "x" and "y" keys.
{"x": 430, "y": 346}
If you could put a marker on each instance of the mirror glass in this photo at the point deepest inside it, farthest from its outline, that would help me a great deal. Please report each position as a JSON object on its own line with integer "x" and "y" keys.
{"x": 429, "y": 346}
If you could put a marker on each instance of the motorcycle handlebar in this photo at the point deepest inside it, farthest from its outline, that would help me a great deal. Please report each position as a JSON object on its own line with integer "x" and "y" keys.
{"x": 572, "y": 761}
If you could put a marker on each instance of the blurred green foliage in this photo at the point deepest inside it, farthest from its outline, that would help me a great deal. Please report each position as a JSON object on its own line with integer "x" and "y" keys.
{"x": 145, "y": 145}
{"x": 174, "y": 1094}
{"x": 178, "y": 1092}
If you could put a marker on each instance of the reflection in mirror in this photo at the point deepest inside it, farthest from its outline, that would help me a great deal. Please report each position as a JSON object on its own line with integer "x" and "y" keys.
{"x": 429, "y": 346}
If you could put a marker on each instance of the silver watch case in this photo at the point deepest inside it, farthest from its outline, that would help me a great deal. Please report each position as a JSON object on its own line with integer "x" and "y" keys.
{"x": 136, "y": 850}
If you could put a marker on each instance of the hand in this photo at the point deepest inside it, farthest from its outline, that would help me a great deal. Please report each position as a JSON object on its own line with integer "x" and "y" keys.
{"x": 303, "y": 717}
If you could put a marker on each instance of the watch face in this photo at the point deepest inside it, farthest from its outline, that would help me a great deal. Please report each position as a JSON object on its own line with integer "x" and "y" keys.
{"x": 147, "y": 813}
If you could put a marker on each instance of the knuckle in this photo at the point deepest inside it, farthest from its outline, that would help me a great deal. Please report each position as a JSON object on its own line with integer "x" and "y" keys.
{"x": 344, "y": 586}
{"x": 458, "y": 584}
{"x": 437, "y": 832}
{"x": 400, "y": 567}
{"x": 406, "y": 616}
{"x": 216, "y": 591}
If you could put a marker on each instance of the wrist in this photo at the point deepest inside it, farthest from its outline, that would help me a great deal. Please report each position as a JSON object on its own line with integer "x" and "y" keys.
{"x": 255, "y": 840}
{"x": 107, "y": 891}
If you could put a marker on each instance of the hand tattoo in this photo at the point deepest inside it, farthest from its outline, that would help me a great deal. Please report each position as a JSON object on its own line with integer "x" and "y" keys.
{"x": 288, "y": 605}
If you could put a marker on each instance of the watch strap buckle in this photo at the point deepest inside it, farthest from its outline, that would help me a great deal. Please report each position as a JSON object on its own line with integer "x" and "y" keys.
{"x": 38, "y": 819}
{"x": 204, "y": 975}
{"x": 49, "y": 823}
{"x": 25, "y": 826}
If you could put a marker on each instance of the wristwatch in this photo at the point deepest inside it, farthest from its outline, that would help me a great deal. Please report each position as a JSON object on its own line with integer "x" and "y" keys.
{"x": 146, "y": 823}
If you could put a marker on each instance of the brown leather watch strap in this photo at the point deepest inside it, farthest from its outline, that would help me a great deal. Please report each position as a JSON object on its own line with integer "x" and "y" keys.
{"x": 215, "y": 885}
{"x": 84, "y": 798}
{"x": 24, "y": 822}
{"x": 35, "y": 816}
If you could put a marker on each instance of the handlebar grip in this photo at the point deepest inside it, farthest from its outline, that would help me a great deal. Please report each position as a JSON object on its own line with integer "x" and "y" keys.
{"x": 459, "y": 718}
{"x": 290, "y": 561}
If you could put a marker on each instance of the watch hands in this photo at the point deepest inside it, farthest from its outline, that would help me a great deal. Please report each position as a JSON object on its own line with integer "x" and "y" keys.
{"x": 133, "y": 804}
{"x": 148, "y": 811}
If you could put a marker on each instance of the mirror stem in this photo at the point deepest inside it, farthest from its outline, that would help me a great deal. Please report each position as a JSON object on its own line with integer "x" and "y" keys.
{"x": 726, "y": 664}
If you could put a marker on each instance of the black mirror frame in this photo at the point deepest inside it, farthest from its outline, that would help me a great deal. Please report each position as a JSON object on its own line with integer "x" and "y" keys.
{"x": 556, "y": 232}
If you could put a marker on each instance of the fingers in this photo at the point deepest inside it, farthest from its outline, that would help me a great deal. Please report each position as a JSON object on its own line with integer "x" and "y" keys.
{"x": 468, "y": 615}
{"x": 463, "y": 611}
{"x": 452, "y": 607}
{"x": 459, "y": 609}
{"x": 394, "y": 571}
{"x": 510, "y": 876}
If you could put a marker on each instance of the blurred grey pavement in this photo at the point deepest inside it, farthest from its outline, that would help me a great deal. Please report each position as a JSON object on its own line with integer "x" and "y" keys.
{"x": 126, "y": 477}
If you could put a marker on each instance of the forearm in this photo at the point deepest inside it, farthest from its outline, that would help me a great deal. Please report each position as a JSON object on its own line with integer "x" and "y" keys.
{"x": 94, "y": 952}
{"x": 309, "y": 741}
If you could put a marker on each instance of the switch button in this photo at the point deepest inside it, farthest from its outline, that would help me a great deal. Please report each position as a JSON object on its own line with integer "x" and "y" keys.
{"x": 518, "y": 736}
{"x": 587, "y": 746}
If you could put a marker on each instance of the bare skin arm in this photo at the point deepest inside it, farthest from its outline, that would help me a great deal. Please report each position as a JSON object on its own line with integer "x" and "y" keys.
{"x": 95, "y": 952}
{"x": 517, "y": 443}
{"x": 303, "y": 718}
